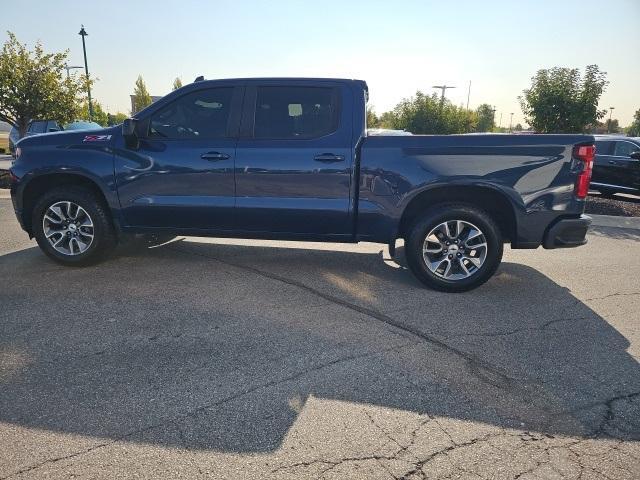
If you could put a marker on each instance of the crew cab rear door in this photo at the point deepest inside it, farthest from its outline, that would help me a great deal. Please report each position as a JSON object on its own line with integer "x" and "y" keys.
{"x": 294, "y": 158}
{"x": 182, "y": 174}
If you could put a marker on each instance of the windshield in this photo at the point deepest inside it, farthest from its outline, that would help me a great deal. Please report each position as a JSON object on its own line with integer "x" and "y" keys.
{"x": 82, "y": 125}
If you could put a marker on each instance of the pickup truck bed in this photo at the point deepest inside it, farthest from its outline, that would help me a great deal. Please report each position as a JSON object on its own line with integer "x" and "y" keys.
{"x": 290, "y": 159}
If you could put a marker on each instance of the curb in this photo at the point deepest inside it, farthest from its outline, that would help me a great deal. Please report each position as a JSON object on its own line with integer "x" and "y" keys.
{"x": 615, "y": 221}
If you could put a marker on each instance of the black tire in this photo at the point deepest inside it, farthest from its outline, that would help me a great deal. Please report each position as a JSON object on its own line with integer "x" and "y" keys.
{"x": 435, "y": 216}
{"x": 104, "y": 236}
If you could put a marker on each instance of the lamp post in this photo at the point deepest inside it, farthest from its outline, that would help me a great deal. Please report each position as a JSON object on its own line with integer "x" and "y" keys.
{"x": 611, "y": 109}
{"x": 511, "y": 122}
{"x": 67, "y": 68}
{"x": 83, "y": 34}
{"x": 444, "y": 89}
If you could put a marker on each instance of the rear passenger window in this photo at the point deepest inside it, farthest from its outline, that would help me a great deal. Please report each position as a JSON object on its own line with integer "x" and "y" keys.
{"x": 624, "y": 149}
{"x": 603, "y": 147}
{"x": 295, "y": 112}
{"x": 37, "y": 127}
{"x": 200, "y": 114}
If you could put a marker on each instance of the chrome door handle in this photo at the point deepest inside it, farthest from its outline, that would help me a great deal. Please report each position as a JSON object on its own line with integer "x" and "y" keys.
{"x": 613, "y": 162}
{"x": 328, "y": 158}
{"x": 214, "y": 156}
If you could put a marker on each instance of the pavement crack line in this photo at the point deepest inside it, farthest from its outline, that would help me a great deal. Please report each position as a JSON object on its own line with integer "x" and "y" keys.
{"x": 617, "y": 294}
{"x": 476, "y": 364}
{"x": 206, "y": 407}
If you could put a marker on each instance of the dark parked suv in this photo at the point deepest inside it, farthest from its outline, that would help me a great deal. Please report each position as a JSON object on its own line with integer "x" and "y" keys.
{"x": 617, "y": 165}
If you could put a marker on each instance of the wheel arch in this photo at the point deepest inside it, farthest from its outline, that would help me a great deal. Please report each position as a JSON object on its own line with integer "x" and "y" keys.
{"x": 495, "y": 202}
{"x": 40, "y": 184}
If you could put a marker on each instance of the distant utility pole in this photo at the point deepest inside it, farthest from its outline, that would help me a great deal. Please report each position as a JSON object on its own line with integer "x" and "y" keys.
{"x": 611, "y": 109}
{"x": 468, "y": 94}
{"x": 67, "y": 68}
{"x": 83, "y": 34}
{"x": 511, "y": 122}
{"x": 444, "y": 89}
{"x": 493, "y": 118}
{"x": 500, "y": 125}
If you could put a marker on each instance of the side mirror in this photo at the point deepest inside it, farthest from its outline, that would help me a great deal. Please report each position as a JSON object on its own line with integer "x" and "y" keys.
{"x": 635, "y": 155}
{"x": 129, "y": 133}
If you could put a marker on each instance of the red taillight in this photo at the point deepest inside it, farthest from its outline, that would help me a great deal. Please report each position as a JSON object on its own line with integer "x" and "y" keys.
{"x": 585, "y": 154}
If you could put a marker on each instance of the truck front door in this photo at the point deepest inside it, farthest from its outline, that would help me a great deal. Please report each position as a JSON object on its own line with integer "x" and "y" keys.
{"x": 182, "y": 175}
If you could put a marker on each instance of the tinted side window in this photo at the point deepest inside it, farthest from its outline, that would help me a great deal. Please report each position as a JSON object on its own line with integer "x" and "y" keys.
{"x": 37, "y": 127}
{"x": 295, "y": 112}
{"x": 603, "y": 148}
{"x": 624, "y": 149}
{"x": 53, "y": 126}
{"x": 200, "y": 114}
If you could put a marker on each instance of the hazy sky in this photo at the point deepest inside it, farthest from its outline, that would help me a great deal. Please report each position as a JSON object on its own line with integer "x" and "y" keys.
{"x": 396, "y": 46}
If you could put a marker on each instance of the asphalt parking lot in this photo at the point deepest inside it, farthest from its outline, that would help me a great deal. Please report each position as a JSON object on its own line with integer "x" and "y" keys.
{"x": 209, "y": 358}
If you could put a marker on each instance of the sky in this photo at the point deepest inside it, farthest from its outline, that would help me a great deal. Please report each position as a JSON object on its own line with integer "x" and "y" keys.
{"x": 397, "y": 47}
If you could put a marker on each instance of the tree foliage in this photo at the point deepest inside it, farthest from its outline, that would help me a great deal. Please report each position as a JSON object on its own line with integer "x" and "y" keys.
{"x": 141, "y": 97}
{"x": 486, "y": 118}
{"x": 116, "y": 119}
{"x": 100, "y": 116}
{"x": 372, "y": 119}
{"x": 33, "y": 85}
{"x": 177, "y": 83}
{"x": 634, "y": 128}
{"x": 561, "y": 100}
{"x": 429, "y": 114}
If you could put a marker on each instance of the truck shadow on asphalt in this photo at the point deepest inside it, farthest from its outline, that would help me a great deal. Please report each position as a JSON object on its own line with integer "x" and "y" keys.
{"x": 217, "y": 346}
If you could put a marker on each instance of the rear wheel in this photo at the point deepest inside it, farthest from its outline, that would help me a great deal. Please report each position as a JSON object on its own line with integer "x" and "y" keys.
{"x": 72, "y": 226}
{"x": 454, "y": 247}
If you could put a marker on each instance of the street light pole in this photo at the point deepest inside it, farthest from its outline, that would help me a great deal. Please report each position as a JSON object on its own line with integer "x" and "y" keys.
{"x": 83, "y": 34}
{"x": 511, "y": 123}
{"x": 611, "y": 109}
{"x": 444, "y": 89}
{"x": 468, "y": 94}
{"x": 67, "y": 68}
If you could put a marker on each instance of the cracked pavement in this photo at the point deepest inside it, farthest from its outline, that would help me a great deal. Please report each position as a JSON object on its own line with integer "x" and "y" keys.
{"x": 211, "y": 358}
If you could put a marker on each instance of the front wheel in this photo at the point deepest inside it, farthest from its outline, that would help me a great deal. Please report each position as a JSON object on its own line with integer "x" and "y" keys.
{"x": 72, "y": 226}
{"x": 454, "y": 247}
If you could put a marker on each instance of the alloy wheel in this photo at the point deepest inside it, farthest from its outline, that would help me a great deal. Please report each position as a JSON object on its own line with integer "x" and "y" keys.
{"x": 68, "y": 228}
{"x": 454, "y": 250}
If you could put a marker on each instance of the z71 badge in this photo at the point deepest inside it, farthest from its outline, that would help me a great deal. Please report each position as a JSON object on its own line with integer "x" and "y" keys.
{"x": 96, "y": 138}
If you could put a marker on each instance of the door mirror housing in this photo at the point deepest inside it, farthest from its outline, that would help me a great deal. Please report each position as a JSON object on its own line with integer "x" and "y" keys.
{"x": 635, "y": 155}
{"x": 130, "y": 133}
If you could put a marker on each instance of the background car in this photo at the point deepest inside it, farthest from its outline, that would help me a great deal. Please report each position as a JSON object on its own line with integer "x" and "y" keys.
{"x": 617, "y": 165}
{"x": 38, "y": 127}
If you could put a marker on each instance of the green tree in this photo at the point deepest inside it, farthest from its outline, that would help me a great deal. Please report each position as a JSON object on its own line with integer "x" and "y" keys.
{"x": 518, "y": 127}
{"x": 561, "y": 100}
{"x": 33, "y": 85}
{"x": 116, "y": 119}
{"x": 612, "y": 126}
{"x": 99, "y": 115}
{"x": 177, "y": 83}
{"x": 141, "y": 97}
{"x": 634, "y": 128}
{"x": 429, "y": 114}
{"x": 486, "y": 118}
{"x": 372, "y": 119}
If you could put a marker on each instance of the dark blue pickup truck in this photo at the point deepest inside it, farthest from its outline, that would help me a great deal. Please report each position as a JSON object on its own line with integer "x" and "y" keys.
{"x": 286, "y": 158}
